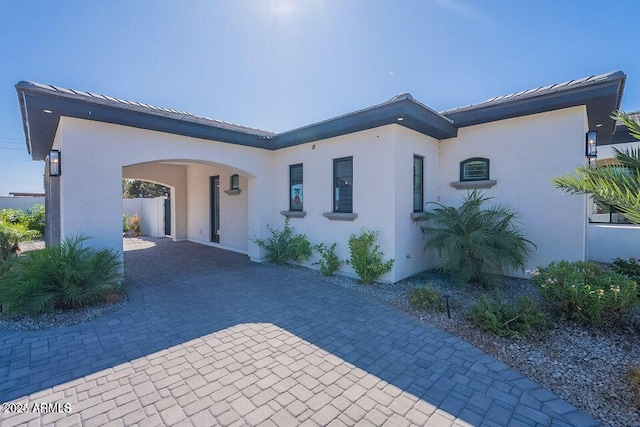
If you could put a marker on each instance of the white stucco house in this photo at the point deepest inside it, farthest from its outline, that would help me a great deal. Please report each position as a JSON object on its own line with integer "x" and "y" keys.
{"x": 373, "y": 169}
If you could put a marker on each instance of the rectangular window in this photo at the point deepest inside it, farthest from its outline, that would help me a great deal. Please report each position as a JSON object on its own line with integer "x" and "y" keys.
{"x": 295, "y": 187}
{"x": 343, "y": 185}
{"x": 418, "y": 184}
{"x": 603, "y": 213}
{"x": 475, "y": 169}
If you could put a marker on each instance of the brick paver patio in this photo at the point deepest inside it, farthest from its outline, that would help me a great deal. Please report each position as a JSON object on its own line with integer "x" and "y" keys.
{"x": 209, "y": 338}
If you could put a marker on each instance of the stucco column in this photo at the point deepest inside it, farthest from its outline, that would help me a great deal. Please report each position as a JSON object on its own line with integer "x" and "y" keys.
{"x": 51, "y": 208}
{"x": 91, "y": 194}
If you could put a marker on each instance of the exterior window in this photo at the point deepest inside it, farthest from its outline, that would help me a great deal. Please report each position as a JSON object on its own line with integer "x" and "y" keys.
{"x": 343, "y": 185}
{"x": 234, "y": 182}
{"x": 475, "y": 169}
{"x": 295, "y": 187}
{"x": 601, "y": 212}
{"x": 418, "y": 183}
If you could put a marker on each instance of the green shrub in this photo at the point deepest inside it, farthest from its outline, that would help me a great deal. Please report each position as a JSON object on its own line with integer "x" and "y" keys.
{"x": 61, "y": 277}
{"x": 329, "y": 261}
{"x": 36, "y": 219}
{"x": 425, "y": 298}
{"x": 285, "y": 246}
{"x": 507, "y": 320}
{"x": 584, "y": 291}
{"x": 629, "y": 268}
{"x": 10, "y": 237}
{"x": 126, "y": 224}
{"x": 476, "y": 244}
{"x": 366, "y": 257}
{"x": 32, "y": 219}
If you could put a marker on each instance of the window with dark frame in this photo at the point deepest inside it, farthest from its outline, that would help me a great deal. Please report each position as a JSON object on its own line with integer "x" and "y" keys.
{"x": 295, "y": 187}
{"x": 418, "y": 183}
{"x": 474, "y": 169}
{"x": 343, "y": 185}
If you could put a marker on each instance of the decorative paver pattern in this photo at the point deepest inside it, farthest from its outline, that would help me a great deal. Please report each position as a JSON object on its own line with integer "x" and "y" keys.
{"x": 209, "y": 338}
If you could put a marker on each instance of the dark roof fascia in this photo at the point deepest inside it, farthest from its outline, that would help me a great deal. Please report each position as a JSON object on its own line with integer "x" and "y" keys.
{"x": 33, "y": 102}
{"x": 570, "y": 97}
{"x": 413, "y": 114}
{"x": 621, "y": 135}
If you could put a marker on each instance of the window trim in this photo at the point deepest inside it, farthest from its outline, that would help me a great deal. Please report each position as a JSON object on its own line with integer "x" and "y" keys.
{"x": 463, "y": 163}
{"x": 413, "y": 188}
{"x": 293, "y": 208}
{"x": 334, "y": 188}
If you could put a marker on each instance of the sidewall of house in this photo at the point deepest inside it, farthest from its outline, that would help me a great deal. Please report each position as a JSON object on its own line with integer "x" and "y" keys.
{"x": 411, "y": 256}
{"x": 373, "y": 191}
{"x": 525, "y": 153}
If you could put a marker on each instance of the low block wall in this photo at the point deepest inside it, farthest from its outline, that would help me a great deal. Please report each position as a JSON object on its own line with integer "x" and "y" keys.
{"x": 150, "y": 212}
{"x": 609, "y": 241}
{"x": 24, "y": 203}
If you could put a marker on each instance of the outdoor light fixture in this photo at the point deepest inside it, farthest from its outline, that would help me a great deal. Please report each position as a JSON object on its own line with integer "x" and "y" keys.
{"x": 591, "y": 145}
{"x": 235, "y": 182}
{"x": 54, "y": 163}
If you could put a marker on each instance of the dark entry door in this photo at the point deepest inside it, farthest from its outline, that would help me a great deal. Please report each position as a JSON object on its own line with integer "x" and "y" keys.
{"x": 215, "y": 208}
{"x": 167, "y": 217}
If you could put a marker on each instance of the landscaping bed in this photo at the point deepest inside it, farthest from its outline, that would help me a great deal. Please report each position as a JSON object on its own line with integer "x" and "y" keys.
{"x": 587, "y": 366}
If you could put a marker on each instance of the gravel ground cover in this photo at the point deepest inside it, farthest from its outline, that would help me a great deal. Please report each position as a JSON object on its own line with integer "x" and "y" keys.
{"x": 586, "y": 366}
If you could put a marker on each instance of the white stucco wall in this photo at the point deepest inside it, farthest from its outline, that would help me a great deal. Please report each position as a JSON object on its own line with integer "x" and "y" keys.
{"x": 525, "y": 153}
{"x": 373, "y": 189}
{"x": 173, "y": 176}
{"x": 94, "y": 155}
{"x": 610, "y": 241}
{"x": 234, "y": 213}
{"x": 410, "y": 254}
{"x": 151, "y": 214}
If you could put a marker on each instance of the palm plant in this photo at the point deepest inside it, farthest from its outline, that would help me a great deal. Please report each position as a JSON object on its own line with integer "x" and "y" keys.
{"x": 476, "y": 244}
{"x": 61, "y": 277}
{"x": 619, "y": 186}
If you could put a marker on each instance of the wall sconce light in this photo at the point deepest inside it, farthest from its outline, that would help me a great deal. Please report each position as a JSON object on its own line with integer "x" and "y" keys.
{"x": 54, "y": 163}
{"x": 234, "y": 185}
{"x": 235, "y": 182}
{"x": 591, "y": 149}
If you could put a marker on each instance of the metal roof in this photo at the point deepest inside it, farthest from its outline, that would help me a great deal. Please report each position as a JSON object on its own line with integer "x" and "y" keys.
{"x": 42, "y": 106}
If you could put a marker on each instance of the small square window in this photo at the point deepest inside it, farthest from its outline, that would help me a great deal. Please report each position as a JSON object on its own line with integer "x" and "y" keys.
{"x": 474, "y": 169}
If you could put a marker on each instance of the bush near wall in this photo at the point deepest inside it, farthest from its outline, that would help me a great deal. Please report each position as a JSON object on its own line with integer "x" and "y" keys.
{"x": 585, "y": 292}
{"x": 284, "y": 245}
{"x": 366, "y": 256}
{"x": 476, "y": 244}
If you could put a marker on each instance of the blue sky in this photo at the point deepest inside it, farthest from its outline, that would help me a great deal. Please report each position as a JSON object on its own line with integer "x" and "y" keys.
{"x": 281, "y": 64}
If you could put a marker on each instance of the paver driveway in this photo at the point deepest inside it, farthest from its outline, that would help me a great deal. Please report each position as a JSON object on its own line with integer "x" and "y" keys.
{"x": 209, "y": 338}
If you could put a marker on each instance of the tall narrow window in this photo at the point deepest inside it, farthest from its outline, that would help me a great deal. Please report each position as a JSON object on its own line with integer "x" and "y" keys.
{"x": 295, "y": 187}
{"x": 343, "y": 185}
{"x": 474, "y": 169}
{"x": 418, "y": 183}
